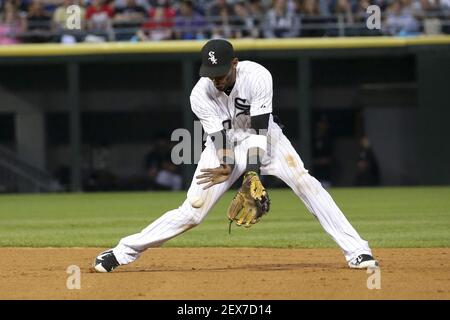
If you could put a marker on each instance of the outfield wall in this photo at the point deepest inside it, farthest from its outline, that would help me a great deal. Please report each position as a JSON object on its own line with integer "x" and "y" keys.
{"x": 62, "y": 99}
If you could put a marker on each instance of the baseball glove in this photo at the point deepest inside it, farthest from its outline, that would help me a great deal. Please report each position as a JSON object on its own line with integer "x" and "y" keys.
{"x": 250, "y": 203}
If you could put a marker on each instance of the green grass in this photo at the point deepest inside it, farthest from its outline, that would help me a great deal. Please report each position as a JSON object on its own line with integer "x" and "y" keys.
{"x": 386, "y": 217}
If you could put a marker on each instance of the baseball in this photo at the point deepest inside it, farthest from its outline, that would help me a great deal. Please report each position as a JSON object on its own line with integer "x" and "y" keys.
{"x": 196, "y": 202}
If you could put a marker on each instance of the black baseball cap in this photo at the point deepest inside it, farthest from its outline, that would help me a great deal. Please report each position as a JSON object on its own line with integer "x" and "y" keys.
{"x": 217, "y": 55}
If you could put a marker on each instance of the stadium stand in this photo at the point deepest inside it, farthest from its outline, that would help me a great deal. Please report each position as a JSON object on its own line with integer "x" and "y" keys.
{"x": 38, "y": 21}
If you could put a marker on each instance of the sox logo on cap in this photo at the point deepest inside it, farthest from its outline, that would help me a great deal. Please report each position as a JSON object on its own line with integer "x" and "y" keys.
{"x": 212, "y": 57}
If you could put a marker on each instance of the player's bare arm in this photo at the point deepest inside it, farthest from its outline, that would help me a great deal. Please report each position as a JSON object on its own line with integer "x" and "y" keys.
{"x": 225, "y": 154}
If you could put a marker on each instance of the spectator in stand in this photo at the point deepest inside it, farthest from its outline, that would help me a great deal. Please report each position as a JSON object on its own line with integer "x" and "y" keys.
{"x": 257, "y": 12}
{"x": 427, "y": 6}
{"x": 429, "y": 13}
{"x": 37, "y": 24}
{"x": 189, "y": 23}
{"x": 383, "y": 4}
{"x": 99, "y": 20}
{"x": 407, "y": 5}
{"x": 18, "y": 4}
{"x": 361, "y": 10}
{"x": 400, "y": 20}
{"x": 49, "y": 5}
{"x": 221, "y": 15}
{"x": 342, "y": 17}
{"x": 142, "y": 3}
{"x": 160, "y": 23}
{"x": 313, "y": 23}
{"x": 308, "y": 7}
{"x": 324, "y": 7}
{"x": 128, "y": 19}
{"x": 11, "y": 24}
{"x": 445, "y": 10}
{"x": 61, "y": 27}
{"x": 343, "y": 8}
{"x": 21, "y": 5}
{"x": 242, "y": 24}
{"x": 281, "y": 21}
{"x": 367, "y": 169}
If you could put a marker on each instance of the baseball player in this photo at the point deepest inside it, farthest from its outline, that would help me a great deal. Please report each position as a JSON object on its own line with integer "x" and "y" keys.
{"x": 233, "y": 101}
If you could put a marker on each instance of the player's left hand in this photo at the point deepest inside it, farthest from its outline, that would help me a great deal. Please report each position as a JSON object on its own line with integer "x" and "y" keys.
{"x": 250, "y": 203}
{"x": 214, "y": 176}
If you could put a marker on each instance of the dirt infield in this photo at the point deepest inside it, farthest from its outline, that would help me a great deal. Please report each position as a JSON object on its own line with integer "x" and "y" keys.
{"x": 225, "y": 273}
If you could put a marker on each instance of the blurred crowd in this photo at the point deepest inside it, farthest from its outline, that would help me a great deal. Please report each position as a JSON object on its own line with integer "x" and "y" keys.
{"x": 35, "y": 21}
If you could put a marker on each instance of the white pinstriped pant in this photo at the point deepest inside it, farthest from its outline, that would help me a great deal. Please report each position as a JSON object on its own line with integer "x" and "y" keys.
{"x": 284, "y": 163}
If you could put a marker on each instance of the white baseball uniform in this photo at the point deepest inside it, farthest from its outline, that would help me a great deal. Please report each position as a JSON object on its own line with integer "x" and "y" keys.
{"x": 250, "y": 96}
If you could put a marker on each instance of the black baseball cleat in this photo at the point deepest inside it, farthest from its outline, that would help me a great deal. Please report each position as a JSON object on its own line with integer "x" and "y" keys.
{"x": 363, "y": 261}
{"x": 106, "y": 262}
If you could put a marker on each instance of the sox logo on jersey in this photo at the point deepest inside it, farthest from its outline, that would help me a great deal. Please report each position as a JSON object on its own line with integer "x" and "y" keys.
{"x": 239, "y": 104}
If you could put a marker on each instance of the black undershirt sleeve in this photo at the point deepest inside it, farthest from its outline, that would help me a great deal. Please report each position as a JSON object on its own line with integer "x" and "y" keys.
{"x": 260, "y": 124}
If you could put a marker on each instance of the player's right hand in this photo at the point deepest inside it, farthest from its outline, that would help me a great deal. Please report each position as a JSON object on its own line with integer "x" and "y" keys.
{"x": 213, "y": 176}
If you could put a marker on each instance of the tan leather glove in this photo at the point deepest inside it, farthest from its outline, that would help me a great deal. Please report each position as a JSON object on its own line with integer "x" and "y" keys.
{"x": 250, "y": 203}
